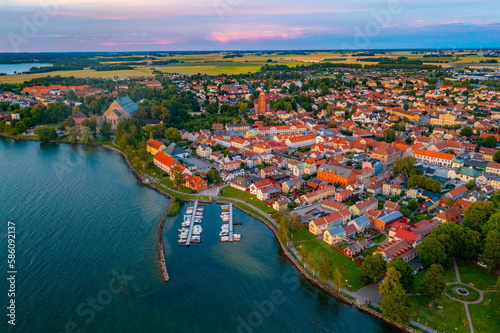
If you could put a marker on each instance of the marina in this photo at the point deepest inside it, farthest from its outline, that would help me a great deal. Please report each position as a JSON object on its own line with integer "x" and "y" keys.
{"x": 191, "y": 229}
{"x": 227, "y": 228}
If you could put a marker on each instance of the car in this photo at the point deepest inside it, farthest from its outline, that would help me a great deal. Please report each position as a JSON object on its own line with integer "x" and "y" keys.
{"x": 482, "y": 264}
{"x": 418, "y": 259}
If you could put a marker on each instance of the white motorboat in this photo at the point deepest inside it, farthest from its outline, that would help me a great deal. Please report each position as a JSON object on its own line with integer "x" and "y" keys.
{"x": 181, "y": 241}
{"x": 236, "y": 237}
{"x": 224, "y": 239}
{"x": 187, "y": 218}
{"x": 186, "y": 224}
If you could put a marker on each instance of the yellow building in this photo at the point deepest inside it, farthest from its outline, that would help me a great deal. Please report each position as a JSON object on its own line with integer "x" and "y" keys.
{"x": 446, "y": 120}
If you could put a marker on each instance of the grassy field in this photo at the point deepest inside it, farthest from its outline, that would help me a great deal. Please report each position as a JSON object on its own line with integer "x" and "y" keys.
{"x": 476, "y": 275}
{"x": 169, "y": 183}
{"x": 232, "y": 192}
{"x": 447, "y": 318}
{"x": 485, "y": 314}
{"x": 304, "y": 240}
{"x": 379, "y": 238}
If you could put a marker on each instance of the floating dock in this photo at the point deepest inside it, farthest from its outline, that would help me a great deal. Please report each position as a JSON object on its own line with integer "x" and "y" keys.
{"x": 230, "y": 222}
{"x": 193, "y": 216}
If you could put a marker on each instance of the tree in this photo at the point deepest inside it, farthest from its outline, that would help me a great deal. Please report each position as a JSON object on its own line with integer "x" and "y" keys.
{"x": 338, "y": 279}
{"x": 176, "y": 176}
{"x": 374, "y": 267}
{"x": 490, "y": 142}
{"x": 478, "y": 213}
{"x": 243, "y": 108}
{"x": 431, "y": 251}
{"x": 46, "y": 133}
{"x": 213, "y": 175}
{"x": 492, "y": 224}
{"x": 471, "y": 185}
{"x": 405, "y": 271}
{"x": 491, "y": 251}
{"x": 496, "y": 156}
{"x": 433, "y": 284}
{"x": 91, "y": 124}
{"x": 471, "y": 244}
{"x": 69, "y": 122}
{"x": 72, "y": 136}
{"x": 106, "y": 130}
{"x": 391, "y": 281}
{"x": 87, "y": 137}
{"x": 413, "y": 204}
{"x": 467, "y": 131}
{"x": 404, "y": 166}
{"x": 396, "y": 305}
{"x": 389, "y": 135}
{"x": 173, "y": 134}
{"x": 325, "y": 266}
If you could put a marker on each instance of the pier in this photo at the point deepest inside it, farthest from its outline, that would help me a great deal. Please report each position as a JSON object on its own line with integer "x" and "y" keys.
{"x": 230, "y": 222}
{"x": 163, "y": 265}
{"x": 191, "y": 225}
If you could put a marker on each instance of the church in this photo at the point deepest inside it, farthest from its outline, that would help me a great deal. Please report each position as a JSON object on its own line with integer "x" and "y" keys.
{"x": 262, "y": 105}
{"x": 122, "y": 109}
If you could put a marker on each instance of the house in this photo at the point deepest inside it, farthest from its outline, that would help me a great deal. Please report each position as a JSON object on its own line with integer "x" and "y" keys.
{"x": 174, "y": 150}
{"x": 203, "y": 151}
{"x": 456, "y": 193}
{"x": 343, "y": 195}
{"x": 409, "y": 236}
{"x": 255, "y": 186}
{"x": 280, "y": 203}
{"x": 78, "y": 117}
{"x": 362, "y": 207}
{"x": 269, "y": 171}
{"x": 217, "y": 156}
{"x": 387, "y": 220}
{"x": 268, "y": 192}
{"x": 336, "y": 174}
{"x": 122, "y": 109}
{"x": 317, "y": 195}
{"x": 231, "y": 165}
{"x": 434, "y": 158}
{"x": 454, "y": 214}
{"x": 164, "y": 161}
{"x": 390, "y": 206}
{"x": 334, "y": 235}
{"x": 387, "y": 155}
{"x": 195, "y": 182}
{"x": 333, "y": 205}
{"x": 292, "y": 184}
{"x": 397, "y": 249}
{"x": 321, "y": 224}
{"x": 362, "y": 223}
{"x": 356, "y": 248}
{"x": 153, "y": 146}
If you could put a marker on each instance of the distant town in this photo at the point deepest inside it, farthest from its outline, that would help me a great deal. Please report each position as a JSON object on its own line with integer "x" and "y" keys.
{"x": 383, "y": 182}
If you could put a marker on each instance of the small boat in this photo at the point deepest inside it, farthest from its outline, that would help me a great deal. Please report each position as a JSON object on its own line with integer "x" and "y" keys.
{"x": 181, "y": 241}
{"x": 183, "y": 235}
{"x": 225, "y": 207}
{"x": 199, "y": 214}
{"x": 186, "y": 224}
{"x": 224, "y": 233}
{"x": 187, "y": 218}
{"x": 200, "y": 210}
{"x": 236, "y": 237}
{"x": 198, "y": 220}
{"x": 224, "y": 239}
{"x": 183, "y": 230}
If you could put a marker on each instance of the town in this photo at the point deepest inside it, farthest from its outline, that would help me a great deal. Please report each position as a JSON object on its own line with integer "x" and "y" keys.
{"x": 384, "y": 182}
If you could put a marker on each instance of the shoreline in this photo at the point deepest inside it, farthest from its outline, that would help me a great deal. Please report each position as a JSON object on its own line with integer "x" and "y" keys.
{"x": 283, "y": 247}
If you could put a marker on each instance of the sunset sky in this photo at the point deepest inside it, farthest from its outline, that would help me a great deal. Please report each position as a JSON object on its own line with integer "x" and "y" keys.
{"x": 161, "y": 25}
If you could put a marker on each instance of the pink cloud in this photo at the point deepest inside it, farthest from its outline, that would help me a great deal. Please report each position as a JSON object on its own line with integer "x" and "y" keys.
{"x": 159, "y": 42}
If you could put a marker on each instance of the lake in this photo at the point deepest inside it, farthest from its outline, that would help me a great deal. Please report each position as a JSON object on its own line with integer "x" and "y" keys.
{"x": 10, "y": 69}
{"x": 86, "y": 242}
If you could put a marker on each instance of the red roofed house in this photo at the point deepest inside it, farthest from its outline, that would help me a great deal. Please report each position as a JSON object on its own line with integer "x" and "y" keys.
{"x": 390, "y": 206}
{"x": 164, "y": 161}
{"x": 397, "y": 249}
{"x": 153, "y": 146}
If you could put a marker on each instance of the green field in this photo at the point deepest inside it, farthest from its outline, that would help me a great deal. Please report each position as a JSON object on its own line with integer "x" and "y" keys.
{"x": 304, "y": 240}
{"x": 231, "y": 192}
{"x": 485, "y": 314}
{"x": 333, "y": 59}
{"x": 476, "y": 275}
{"x": 448, "y": 318}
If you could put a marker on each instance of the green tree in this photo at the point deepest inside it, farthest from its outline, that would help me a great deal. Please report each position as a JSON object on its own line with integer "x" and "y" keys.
{"x": 325, "y": 265}
{"x": 491, "y": 251}
{"x": 404, "y": 166}
{"x": 72, "y": 136}
{"x": 173, "y": 134}
{"x": 90, "y": 123}
{"x": 106, "y": 130}
{"x": 433, "y": 284}
{"x": 490, "y": 142}
{"x": 478, "y": 213}
{"x": 492, "y": 224}
{"x": 405, "y": 271}
{"x": 467, "y": 131}
{"x": 496, "y": 156}
{"x": 69, "y": 122}
{"x": 389, "y": 136}
{"x": 87, "y": 137}
{"x": 391, "y": 281}
{"x": 413, "y": 204}
{"x": 431, "y": 251}
{"x": 471, "y": 244}
{"x": 176, "y": 176}
{"x": 396, "y": 305}
{"x": 213, "y": 175}
{"x": 374, "y": 267}
{"x": 46, "y": 133}
{"x": 338, "y": 279}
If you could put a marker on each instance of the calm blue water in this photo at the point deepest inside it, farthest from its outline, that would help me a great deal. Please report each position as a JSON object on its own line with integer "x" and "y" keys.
{"x": 87, "y": 257}
{"x": 20, "y": 68}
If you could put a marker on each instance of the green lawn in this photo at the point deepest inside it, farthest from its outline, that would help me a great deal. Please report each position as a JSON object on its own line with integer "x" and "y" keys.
{"x": 480, "y": 312}
{"x": 477, "y": 275}
{"x": 370, "y": 250}
{"x": 351, "y": 271}
{"x": 169, "y": 183}
{"x": 449, "y": 276}
{"x": 379, "y": 238}
{"x": 446, "y": 319}
{"x": 232, "y": 192}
